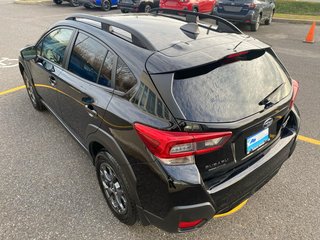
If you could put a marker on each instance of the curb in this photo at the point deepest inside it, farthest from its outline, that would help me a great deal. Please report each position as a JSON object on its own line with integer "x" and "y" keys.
{"x": 299, "y": 21}
{"x": 32, "y": 1}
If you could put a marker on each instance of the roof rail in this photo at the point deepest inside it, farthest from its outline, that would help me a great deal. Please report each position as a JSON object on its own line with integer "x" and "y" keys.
{"x": 137, "y": 38}
{"x": 223, "y": 25}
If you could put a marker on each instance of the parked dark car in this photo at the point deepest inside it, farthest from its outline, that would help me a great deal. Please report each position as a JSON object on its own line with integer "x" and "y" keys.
{"x": 105, "y": 5}
{"x": 251, "y": 12}
{"x": 183, "y": 120}
{"x": 73, "y": 3}
{"x": 137, "y": 5}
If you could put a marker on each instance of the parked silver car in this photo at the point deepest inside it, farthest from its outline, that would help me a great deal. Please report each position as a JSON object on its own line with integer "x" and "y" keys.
{"x": 252, "y": 12}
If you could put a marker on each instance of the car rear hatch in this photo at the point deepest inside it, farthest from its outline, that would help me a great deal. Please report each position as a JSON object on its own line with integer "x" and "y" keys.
{"x": 239, "y": 7}
{"x": 245, "y": 92}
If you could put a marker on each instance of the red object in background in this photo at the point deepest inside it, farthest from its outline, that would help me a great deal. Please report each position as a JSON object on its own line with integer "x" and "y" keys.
{"x": 201, "y": 6}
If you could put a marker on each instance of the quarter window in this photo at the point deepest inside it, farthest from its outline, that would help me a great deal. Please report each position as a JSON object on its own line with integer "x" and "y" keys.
{"x": 53, "y": 46}
{"x": 106, "y": 70}
{"x": 124, "y": 77}
{"x": 86, "y": 58}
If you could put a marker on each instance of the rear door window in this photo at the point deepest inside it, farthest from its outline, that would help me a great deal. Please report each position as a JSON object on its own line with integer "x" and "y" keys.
{"x": 229, "y": 90}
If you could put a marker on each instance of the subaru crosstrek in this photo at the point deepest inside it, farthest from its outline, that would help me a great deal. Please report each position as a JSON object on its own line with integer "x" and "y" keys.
{"x": 183, "y": 120}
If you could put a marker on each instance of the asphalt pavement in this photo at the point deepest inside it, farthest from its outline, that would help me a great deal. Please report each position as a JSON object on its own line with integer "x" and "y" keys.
{"x": 48, "y": 187}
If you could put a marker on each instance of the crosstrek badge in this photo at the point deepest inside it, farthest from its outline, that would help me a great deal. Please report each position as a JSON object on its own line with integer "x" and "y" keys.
{"x": 257, "y": 140}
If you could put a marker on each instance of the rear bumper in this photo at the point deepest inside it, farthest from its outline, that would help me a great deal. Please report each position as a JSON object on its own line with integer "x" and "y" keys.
{"x": 250, "y": 17}
{"x": 232, "y": 192}
{"x": 170, "y": 223}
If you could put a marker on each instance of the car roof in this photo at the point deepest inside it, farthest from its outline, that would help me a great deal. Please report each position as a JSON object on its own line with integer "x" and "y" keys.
{"x": 161, "y": 31}
{"x": 168, "y": 47}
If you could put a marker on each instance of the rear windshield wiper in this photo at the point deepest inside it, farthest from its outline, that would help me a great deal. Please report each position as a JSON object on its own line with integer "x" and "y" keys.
{"x": 266, "y": 102}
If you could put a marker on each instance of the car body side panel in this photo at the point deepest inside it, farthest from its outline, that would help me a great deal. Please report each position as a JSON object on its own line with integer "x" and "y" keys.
{"x": 42, "y": 77}
{"x": 75, "y": 97}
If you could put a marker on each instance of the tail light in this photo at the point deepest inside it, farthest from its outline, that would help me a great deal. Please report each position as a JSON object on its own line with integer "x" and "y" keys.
{"x": 177, "y": 148}
{"x": 251, "y": 5}
{"x": 188, "y": 225}
{"x": 295, "y": 86}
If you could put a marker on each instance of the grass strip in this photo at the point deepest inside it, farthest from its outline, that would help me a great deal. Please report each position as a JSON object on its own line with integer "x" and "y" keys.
{"x": 298, "y": 8}
{"x": 299, "y": 17}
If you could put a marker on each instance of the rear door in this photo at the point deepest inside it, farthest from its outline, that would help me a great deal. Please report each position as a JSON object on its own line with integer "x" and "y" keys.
{"x": 47, "y": 67}
{"x": 86, "y": 86}
{"x": 174, "y": 4}
{"x": 206, "y": 6}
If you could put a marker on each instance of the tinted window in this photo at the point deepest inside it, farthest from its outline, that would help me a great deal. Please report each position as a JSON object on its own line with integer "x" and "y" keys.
{"x": 147, "y": 101}
{"x": 55, "y": 44}
{"x": 124, "y": 78}
{"x": 230, "y": 91}
{"x": 87, "y": 57}
{"x": 106, "y": 70}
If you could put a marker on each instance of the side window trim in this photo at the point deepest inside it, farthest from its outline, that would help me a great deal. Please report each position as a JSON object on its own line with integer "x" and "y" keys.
{"x": 66, "y": 64}
{"x": 40, "y": 41}
{"x": 114, "y": 72}
{"x": 120, "y": 93}
{"x": 69, "y": 49}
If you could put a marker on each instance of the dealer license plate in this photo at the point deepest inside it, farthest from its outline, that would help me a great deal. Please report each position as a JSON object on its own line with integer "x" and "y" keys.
{"x": 257, "y": 140}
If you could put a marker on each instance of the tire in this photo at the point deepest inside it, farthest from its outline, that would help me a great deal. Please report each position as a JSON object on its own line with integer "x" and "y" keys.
{"x": 32, "y": 93}
{"x": 105, "y": 5}
{"x": 147, "y": 8}
{"x": 74, "y": 3}
{"x": 269, "y": 20}
{"x": 58, "y": 2}
{"x": 87, "y": 6}
{"x": 124, "y": 11}
{"x": 115, "y": 188}
{"x": 255, "y": 26}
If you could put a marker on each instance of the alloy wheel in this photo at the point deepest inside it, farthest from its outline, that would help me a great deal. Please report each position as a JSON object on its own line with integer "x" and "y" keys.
{"x": 147, "y": 8}
{"x": 113, "y": 189}
{"x": 30, "y": 89}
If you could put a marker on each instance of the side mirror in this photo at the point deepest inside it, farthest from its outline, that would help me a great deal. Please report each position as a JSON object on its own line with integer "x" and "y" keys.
{"x": 29, "y": 53}
{"x": 48, "y": 66}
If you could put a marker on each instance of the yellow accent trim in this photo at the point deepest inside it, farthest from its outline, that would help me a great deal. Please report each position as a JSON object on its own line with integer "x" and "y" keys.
{"x": 234, "y": 210}
{"x": 59, "y": 91}
{"x": 12, "y": 90}
{"x": 308, "y": 140}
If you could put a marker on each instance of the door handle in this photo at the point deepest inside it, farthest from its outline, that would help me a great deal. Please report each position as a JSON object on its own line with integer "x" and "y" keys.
{"x": 91, "y": 111}
{"x": 52, "y": 81}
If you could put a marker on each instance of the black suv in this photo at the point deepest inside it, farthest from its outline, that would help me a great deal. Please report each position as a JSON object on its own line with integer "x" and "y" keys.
{"x": 252, "y": 12}
{"x": 183, "y": 120}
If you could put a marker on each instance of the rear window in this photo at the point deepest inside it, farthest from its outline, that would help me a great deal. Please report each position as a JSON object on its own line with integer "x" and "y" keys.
{"x": 230, "y": 90}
